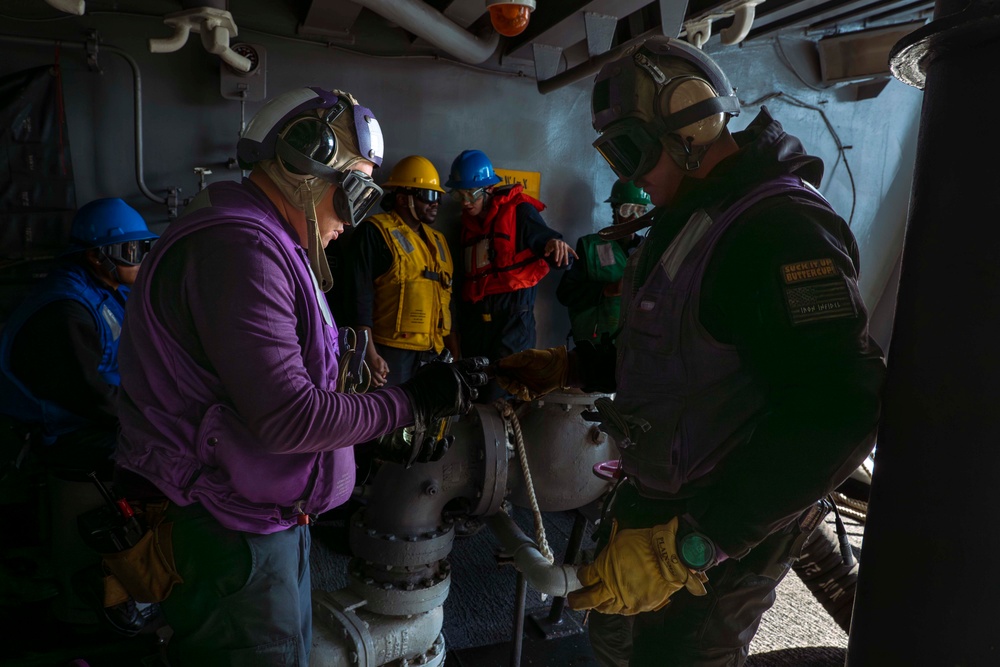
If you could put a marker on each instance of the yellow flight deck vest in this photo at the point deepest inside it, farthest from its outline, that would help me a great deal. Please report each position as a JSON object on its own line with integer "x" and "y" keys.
{"x": 412, "y": 299}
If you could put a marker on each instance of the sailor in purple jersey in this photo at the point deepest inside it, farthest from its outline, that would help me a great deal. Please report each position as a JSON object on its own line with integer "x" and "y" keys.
{"x": 229, "y": 364}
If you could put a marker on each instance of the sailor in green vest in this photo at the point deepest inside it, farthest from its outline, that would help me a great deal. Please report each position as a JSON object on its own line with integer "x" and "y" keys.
{"x": 591, "y": 288}
{"x": 402, "y": 272}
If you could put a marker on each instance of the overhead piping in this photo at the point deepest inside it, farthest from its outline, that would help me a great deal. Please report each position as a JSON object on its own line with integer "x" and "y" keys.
{"x": 427, "y": 23}
{"x": 76, "y": 7}
{"x": 216, "y": 26}
{"x": 591, "y": 66}
{"x": 699, "y": 29}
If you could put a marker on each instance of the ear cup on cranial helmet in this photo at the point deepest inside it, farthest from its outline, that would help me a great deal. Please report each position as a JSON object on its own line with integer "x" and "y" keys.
{"x": 685, "y": 92}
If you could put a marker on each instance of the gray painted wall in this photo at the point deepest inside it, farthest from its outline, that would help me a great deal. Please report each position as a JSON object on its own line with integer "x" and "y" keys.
{"x": 438, "y": 109}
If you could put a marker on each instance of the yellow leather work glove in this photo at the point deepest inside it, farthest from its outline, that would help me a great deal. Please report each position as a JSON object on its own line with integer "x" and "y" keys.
{"x": 637, "y": 572}
{"x": 529, "y": 374}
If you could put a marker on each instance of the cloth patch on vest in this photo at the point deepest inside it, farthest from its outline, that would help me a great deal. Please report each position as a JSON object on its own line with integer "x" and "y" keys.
{"x": 815, "y": 291}
{"x": 112, "y": 321}
{"x": 606, "y": 254}
{"x": 403, "y": 242}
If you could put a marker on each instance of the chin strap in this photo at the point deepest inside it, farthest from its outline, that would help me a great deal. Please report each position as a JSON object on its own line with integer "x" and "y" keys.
{"x": 317, "y": 255}
{"x": 413, "y": 210}
{"x": 300, "y": 193}
{"x": 108, "y": 264}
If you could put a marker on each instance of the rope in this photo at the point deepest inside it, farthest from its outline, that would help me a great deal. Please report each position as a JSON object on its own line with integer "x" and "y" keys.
{"x": 507, "y": 412}
{"x": 851, "y": 507}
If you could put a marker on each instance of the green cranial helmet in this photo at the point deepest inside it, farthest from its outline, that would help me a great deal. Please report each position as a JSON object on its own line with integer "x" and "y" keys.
{"x": 627, "y": 192}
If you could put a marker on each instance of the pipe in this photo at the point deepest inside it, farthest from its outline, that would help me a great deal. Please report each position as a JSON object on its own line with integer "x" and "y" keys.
{"x": 216, "y": 26}
{"x": 518, "y": 630}
{"x": 591, "y": 66}
{"x": 137, "y": 98}
{"x": 216, "y": 42}
{"x": 545, "y": 577}
{"x": 173, "y": 43}
{"x": 572, "y": 551}
{"x": 426, "y": 22}
{"x": 698, "y": 32}
{"x": 346, "y": 634}
{"x": 140, "y": 178}
{"x": 742, "y": 21}
{"x": 76, "y": 7}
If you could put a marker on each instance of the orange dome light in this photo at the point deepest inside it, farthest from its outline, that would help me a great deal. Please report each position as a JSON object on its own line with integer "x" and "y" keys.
{"x": 510, "y": 17}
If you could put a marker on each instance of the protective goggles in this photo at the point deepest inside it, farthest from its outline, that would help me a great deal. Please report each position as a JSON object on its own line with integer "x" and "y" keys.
{"x": 629, "y": 149}
{"x": 631, "y": 211}
{"x": 467, "y": 196}
{"x": 426, "y": 196}
{"x": 356, "y": 195}
{"x": 128, "y": 253}
{"x": 314, "y": 137}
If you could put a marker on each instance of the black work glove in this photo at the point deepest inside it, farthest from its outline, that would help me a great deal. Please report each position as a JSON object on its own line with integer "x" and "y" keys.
{"x": 596, "y": 366}
{"x": 436, "y": 391}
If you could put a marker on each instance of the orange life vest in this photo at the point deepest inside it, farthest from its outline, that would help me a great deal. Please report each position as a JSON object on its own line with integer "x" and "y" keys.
{"x": 493, "y": 264}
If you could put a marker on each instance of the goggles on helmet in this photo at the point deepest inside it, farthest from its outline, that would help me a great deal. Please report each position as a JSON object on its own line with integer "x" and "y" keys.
{"x": 631, "y": 211}
{"x": 313, "y": 136}
{"x": 426, "y": 196}
{"x": 423, "y": 194}
{"x": 467, "y": 196}
{"x": 128, "y": 253}
{"x": 629, "y": 149}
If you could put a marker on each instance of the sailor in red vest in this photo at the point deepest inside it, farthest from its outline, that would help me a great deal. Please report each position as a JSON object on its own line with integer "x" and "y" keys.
{"x": 506, "y": 249}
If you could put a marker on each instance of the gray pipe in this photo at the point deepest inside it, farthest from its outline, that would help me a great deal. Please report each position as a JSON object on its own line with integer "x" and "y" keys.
{"x": 346, "y": 634}
{"x": 137, "y": 98}
{"x": 591, "y": 66}
{"x": 543, "y": 576}
{"x": 137, "y": 105}
{"x": 424, "y": 21}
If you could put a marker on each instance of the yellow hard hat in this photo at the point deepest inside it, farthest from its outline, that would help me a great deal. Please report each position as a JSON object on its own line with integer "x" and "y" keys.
{"x": 414, "y": 171}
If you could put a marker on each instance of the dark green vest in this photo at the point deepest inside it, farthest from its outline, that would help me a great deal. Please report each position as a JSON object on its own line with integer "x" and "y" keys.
{"x": 605, "y": 262}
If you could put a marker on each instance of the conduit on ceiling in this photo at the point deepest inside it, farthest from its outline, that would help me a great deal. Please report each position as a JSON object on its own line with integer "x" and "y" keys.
{"x": 427, "y": 23}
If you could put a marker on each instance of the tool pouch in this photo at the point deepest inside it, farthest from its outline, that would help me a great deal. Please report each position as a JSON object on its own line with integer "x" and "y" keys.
{"x": 146, "y": 570}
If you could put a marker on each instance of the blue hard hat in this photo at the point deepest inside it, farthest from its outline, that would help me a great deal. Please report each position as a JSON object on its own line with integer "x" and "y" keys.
{"x": 471, "y": 170}
{"x": 105, "y": 222}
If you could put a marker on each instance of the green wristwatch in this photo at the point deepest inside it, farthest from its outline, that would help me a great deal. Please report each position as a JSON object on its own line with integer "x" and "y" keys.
{"x": 696, "y": 551}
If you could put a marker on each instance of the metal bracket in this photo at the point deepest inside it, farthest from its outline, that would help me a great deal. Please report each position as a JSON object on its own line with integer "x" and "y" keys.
{"x": 547, "y": 59}
{"x": 92, "y": 45}
{"x": 600, "y": 32}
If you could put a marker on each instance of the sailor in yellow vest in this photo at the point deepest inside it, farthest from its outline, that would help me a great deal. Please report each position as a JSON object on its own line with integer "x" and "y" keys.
{"x": 402, "y": 272}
